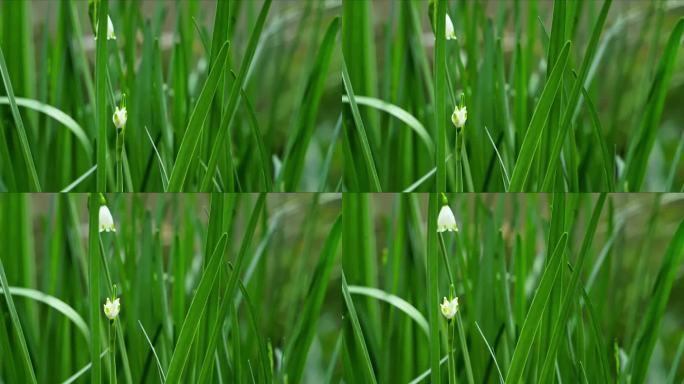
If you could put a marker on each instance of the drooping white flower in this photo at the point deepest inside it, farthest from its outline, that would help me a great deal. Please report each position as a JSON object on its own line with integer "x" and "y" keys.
{"x": 112, "y": 308}
{"x": 106, "y": 222}
{"x": 110, "y": 30}
{"x": 446, "y": 220}
{"x": 449, "y": 308}
{"x": 449, "y": 31}
{"x": 459, "y": 116}
{"x": 120, "y": 116}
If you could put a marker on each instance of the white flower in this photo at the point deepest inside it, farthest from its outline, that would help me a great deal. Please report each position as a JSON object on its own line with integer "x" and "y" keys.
{"x": 111, "y": 308}
{"x": 449, "y": 31}
{"x": 459, "y": 116}
{"x": 106, "y": 220}
{"x": 120, "y": 117}
{"x": 449, "y": 308}
{"x": 446, "y": 220}
{"x": 110, "y": 30}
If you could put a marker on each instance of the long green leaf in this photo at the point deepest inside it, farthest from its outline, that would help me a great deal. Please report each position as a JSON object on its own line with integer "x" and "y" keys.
{"x": 649, "y": 330}
{"x": 534, "y": 314}
{"x": 55, "y": 303}
{"x": 34, "y": 184}
{"x": 16, "y": 325}
{"x": 361, "y": 131}
{"x": 94, "y": 285}
{"x": 574, "y": 100}
{"x": 395, "y": 301}
{"x": 195, "y": 311}
{"x": 56, "y": 114}
{"x": 186, "y": 153}
{"x": 400, "y": 114}
{"x": 230, "y": 289}
{"x": 298, "y": 143}
{"x": 640, "y": 148}
{"x": 534, "y": 130}
{"x": 570, "y": 293}
{"x": 218, "y": 148}
{"x": 101, "y": 103}
{"x": 297, "y": 349}
{"x": 358, "y": 338}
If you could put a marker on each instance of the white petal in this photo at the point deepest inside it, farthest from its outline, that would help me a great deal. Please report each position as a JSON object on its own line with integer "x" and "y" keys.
{"x": 446, "y": 220}
{"x": 106, "y": 222}
{"x": 449, "y": 31}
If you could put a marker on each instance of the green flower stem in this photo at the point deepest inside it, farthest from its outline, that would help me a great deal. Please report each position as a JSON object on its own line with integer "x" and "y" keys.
{"x": 464, "y": 348}
{"x": 450, "y": 352}
{"x": 459, "y": 167}
{"x": 119, "y": 159}
{"x": 446, "y": 259}
{"x": 112, "y": 351}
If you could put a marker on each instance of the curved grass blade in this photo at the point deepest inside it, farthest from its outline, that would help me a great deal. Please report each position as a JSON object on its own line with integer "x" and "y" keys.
{"x": 491, "y": 353}
{"x": 54, "y": 303}
{"x": 400, "y": 114}
{"x": 506, "y": 180}
{"x": 361, "y": 130}
{"x": 395, "y": 301}
{"x": 56, "y": 114}
{"x": 34, "y": 184}
{"x": 534, "y": 314}
{"x": 80, "y": 179}
{"x": 233, "y": 99}
{"x": 358, "y": 340}
{"x": 195, "y": 311}
{"x": 16, "y": 325}
{"x": 194, "y": 128}
{"x": 536, "y": 127}
{"x": 154, "y": 352}
{"x": 83, "y": 370}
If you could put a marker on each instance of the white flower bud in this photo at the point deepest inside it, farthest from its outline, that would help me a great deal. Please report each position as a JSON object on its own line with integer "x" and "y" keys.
{"x": 112, "y": 308}
{"x": 448, "y": 308}
{"x": 106, "y": 222}
{"x": 459, "y": 116}
{"x": 120, "y": 117}
{"x": 446, "y": 220}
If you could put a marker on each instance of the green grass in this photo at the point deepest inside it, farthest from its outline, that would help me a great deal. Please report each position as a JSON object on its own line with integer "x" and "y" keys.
{"x": 528, "y": 115}
{"x": 538, "y": 277}
{"x": 257, "y": 116}
{"x": 213, "y": 288}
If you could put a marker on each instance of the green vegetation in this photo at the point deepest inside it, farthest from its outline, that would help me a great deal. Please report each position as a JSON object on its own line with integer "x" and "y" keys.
{"x": 551, "y": 288}
{"x": 212, "y": 288}
{"x": 578, "y": 96}
{"x": 220, "y": 96}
